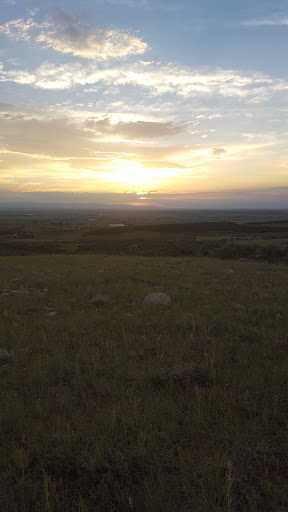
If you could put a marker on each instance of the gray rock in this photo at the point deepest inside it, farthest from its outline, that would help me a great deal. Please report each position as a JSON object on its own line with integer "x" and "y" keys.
{"x": 157, "y": 298}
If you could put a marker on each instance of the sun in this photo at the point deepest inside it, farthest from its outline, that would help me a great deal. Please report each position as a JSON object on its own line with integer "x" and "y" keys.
{"x": 132, "y": 175}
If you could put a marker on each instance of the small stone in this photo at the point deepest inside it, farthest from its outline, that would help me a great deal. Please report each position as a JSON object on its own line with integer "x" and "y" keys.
{"x": 243, "y": 259}
{"x": 51, "y": 313}
{"x": 157, "y": 298}
{"x": 228, "y": 271}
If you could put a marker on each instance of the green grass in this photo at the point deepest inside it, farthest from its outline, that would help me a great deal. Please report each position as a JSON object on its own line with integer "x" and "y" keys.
{"x": 116, "y": 405}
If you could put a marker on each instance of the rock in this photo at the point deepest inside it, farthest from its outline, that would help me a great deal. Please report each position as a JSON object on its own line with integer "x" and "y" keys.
{"x": 228, "y": 271}
{"x": 157, "y": 298}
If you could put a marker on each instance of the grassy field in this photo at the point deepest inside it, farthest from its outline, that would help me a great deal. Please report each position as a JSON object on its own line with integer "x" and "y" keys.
{"x": 111, "y": 405}
{"x": 258, "y": 236}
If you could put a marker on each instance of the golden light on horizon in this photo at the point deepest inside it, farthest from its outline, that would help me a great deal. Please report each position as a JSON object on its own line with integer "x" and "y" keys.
{"x": 131, "y": 174}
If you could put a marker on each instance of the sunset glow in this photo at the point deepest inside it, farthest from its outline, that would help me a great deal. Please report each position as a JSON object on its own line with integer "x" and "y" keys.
{"x": 132, "y": 176}
{"x": 94, "y": 102}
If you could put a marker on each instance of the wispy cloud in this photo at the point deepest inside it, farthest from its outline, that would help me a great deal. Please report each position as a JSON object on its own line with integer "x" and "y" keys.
{"x": 20, "y": 29}
{"x": 154, "y": 77}
{"x": 273, "y": 21}
{"x": 67, "y": 33}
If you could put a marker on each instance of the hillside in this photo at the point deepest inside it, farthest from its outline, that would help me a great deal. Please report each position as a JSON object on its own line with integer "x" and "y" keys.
{"x": 109, "y": 404}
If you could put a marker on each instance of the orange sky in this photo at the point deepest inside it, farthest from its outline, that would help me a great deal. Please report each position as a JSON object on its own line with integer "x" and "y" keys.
{"x": 95, "y": 110}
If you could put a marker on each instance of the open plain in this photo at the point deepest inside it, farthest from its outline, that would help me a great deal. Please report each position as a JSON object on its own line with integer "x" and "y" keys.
{"x": 111, "y": 404}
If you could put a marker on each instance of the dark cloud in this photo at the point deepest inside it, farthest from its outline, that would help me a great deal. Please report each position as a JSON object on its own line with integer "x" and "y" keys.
{"x": 6, "y": 107}
{"x": 218, "y": 151}
{"x": 63, "y": 138}
{"x": 276, "y": 197}
{"x": 70, "y": 21}
{"x": 71, "y": 33}
{"x": 134, "y": 130}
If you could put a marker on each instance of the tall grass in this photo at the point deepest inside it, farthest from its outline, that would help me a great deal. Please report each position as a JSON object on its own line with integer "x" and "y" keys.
{"x": 141, "y": 407}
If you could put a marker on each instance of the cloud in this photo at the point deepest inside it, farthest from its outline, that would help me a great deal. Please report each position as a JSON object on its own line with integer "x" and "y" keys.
{"x": 218, "y": 152}
{"x": 53, "y": 137}
{"x": 72, "y": 35}
{"x": 225, "y": 199}
{"x": 67, "y": 33}
{"x": 278, "y": 21}
{"x": 161, "y": 164}
{"x": 6, "y": 107}
{"x": 54, "y": 140}
{"x": 133, "y": 130}
{"x": 156, "y": 78}
{"x": 20, "y": 29}
{"x": 47, "y": 134}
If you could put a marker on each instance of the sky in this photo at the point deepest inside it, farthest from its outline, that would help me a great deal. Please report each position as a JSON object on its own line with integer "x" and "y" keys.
{"x": 144, "y": 103}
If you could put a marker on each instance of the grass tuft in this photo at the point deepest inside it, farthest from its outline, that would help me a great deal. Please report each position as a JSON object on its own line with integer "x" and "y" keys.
{"x": 100, "y": 299}
{"x": 6, "y": 355}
